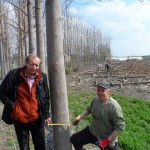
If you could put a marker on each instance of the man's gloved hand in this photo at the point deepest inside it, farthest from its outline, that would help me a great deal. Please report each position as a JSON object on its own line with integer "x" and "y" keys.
{"x": 103, "y": 143}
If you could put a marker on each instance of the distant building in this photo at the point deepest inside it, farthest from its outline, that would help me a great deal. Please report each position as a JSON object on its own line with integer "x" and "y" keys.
{"x": 126, "y": 58}
{"x": 135, "y": 57}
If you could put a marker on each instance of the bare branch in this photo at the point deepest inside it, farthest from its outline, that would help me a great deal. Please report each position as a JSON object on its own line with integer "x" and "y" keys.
{"x": 17, "y": 7}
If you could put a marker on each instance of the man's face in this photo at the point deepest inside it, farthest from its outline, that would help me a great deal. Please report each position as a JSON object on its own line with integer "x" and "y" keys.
{"x": 102, "y": 93}
{"x": 32, "y": 66}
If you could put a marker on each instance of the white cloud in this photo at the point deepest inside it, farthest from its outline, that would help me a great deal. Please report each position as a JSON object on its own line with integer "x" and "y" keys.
{"x": 127, "y": 24}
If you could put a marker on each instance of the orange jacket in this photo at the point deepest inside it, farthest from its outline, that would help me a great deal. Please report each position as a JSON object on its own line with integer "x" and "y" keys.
{"x": 26, "y": 107}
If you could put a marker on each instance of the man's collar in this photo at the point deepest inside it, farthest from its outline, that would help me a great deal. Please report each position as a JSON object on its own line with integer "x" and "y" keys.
{"x": 31, "y": 77}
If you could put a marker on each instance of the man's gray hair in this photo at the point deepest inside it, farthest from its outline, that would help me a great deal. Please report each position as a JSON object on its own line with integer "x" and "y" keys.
{"x": 31, "y": 56}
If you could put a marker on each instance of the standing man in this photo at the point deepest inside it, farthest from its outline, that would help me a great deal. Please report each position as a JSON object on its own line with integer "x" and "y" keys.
{"x": 107, "y": 121}
{"x": 107, "y": 66}
{"x": 24, "y": 91}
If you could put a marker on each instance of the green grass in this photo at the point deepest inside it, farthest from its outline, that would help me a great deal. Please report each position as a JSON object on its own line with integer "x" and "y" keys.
{"x": 136, "y": 113}
{"x": 11, "y": 142}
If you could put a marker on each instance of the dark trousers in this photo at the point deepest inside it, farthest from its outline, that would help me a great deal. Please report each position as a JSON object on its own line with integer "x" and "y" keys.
{"x": 84, "y": 137}
{"x": 23, "y": 131}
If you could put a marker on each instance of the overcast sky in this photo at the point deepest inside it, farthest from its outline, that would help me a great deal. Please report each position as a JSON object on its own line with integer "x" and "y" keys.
{"x": 127, "y": 22}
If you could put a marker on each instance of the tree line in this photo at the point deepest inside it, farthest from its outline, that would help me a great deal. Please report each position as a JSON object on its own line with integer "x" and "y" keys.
{"x": 23, "y": 31}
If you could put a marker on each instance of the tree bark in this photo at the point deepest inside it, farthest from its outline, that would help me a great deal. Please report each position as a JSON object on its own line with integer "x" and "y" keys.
{"x": 25, "y": 24}
{"x": 30, "y": 26}
{"x": 56, "y": 71}
{"x": 39, "y": 34}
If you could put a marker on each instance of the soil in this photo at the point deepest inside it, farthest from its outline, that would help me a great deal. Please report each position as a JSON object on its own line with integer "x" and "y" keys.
{"x": 78, "y": 83}
{"x": 140, "y": 88}
{"x": 82, "y": 83}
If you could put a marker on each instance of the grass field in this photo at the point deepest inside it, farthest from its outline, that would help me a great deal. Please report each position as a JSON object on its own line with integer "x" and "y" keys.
{"x": 136, "y": 113}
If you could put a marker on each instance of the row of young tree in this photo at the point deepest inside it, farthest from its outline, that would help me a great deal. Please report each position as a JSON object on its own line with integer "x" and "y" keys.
{"x": 84, "y": 42}
{"x": 20, "y": 23}
{"x": 23, "y": 31}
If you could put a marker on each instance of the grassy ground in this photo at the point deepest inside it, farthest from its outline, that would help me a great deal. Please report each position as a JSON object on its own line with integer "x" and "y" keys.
{"x": 7, "y": 135}
{"x": 136, "y": 112}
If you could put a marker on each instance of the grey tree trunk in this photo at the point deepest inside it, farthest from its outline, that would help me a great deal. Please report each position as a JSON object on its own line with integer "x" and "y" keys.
{"x": 1, "y": 53}
{"x": 19, "y": 15}
{"x": 30, "y": 26}
{"x": 56, "y": 71}
{"x": 39, "y": 34}
{"x": 25, "y": 29}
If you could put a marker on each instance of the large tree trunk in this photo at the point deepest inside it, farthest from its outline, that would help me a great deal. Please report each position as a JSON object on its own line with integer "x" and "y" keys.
{"x": 30, "y": 26}
{"x": 56, "y": 70}
{"x": 39, "y": 34}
